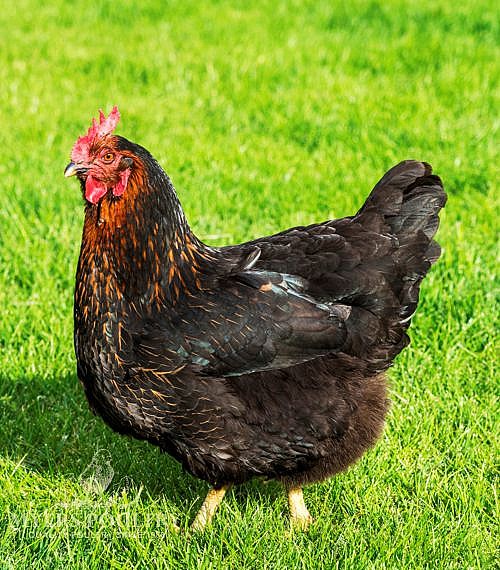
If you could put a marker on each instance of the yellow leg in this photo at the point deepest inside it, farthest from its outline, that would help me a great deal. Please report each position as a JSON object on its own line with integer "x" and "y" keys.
{"x": 207, "y": 510}
{"x": 301, "y": 519}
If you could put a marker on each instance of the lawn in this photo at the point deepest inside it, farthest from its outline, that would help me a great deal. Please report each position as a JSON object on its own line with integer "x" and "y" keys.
{"x": 266, "y": 115}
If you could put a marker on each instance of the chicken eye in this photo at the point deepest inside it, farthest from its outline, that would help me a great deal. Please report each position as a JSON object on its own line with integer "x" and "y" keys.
{"x": 108, "y": 157}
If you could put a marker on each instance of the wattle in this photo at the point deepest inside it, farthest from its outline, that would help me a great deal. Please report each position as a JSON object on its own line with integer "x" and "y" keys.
{"x": 119, "y": 189}
{"x": 94, "y": 189}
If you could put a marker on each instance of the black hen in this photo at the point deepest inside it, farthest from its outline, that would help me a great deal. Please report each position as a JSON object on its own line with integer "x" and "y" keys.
{"x": 260, "y": 359}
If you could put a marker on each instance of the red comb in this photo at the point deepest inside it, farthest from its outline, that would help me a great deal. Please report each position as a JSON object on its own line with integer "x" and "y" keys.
{"x": 106, "y": 126}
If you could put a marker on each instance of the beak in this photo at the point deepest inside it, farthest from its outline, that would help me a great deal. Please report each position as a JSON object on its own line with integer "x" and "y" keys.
{"x": 75, "y": 168}
{"x": 70, "y": 170}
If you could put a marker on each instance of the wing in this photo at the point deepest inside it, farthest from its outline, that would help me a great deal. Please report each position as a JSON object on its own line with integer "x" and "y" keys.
{"x": 253, "y": 321}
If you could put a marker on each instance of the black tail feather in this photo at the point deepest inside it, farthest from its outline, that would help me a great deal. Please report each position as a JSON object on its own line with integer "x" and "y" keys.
{"x": 406, "y": 204}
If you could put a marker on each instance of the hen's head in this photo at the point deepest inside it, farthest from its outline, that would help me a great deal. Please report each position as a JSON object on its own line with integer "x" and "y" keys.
{"x": 98, "y": 161}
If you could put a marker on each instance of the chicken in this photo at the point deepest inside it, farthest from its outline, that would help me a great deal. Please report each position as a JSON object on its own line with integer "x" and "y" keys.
{"x": 264, "y": 359}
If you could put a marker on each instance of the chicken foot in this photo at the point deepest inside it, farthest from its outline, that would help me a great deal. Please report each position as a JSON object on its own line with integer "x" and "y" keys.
{"x": 300, "y": 517}
{"x": 207, "y": 510}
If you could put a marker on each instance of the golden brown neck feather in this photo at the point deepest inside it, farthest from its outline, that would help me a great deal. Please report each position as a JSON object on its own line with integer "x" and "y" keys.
{"x": 140, "y": 245}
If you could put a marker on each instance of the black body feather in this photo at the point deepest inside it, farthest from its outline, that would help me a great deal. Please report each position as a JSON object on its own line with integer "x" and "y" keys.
{"x": 260, "y": 359}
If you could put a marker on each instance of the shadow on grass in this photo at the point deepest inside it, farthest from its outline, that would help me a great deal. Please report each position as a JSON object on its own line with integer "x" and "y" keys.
{"x": 47, "y": 424}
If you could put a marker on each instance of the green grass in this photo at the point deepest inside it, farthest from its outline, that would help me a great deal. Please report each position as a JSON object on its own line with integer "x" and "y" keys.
{"x": 265, "y": 117}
